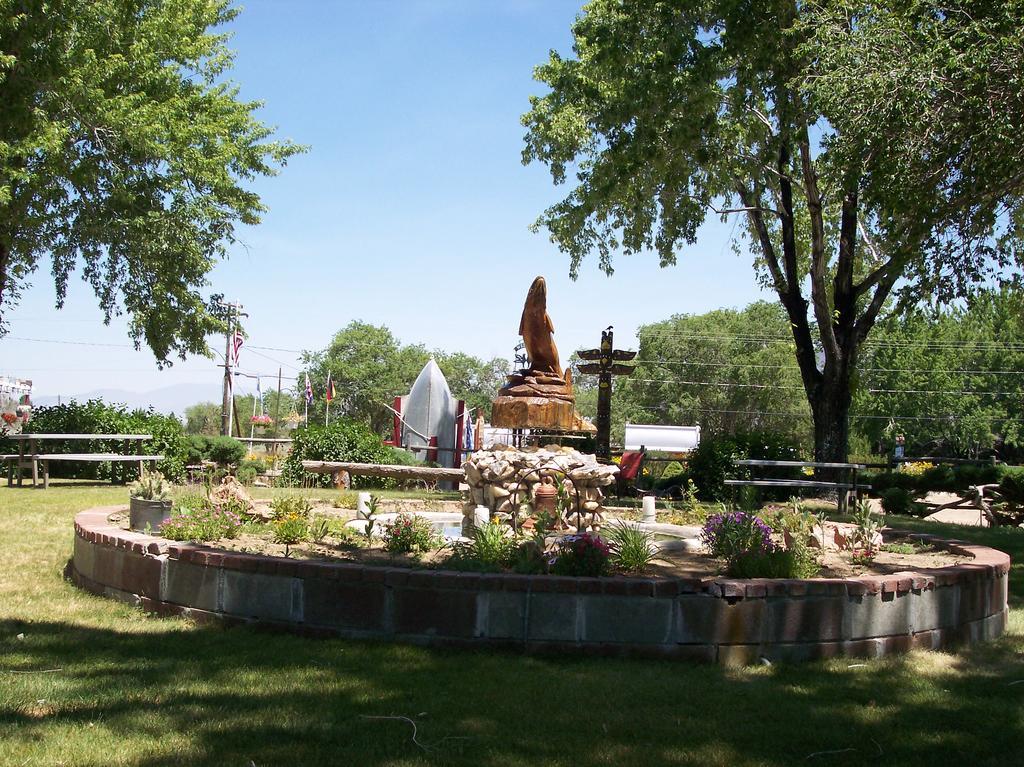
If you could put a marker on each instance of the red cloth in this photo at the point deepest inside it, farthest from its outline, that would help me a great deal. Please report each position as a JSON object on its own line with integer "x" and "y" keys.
{"x": 629, "y": 465}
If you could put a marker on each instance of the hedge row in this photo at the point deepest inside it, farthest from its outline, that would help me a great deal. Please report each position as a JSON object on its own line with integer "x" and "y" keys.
{"x": 98, "y": 417}
{"x": 343, "y": 440}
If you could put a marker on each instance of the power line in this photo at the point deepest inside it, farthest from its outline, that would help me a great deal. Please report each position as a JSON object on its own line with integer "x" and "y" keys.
{"x": 71, "y": 343}
{"x": 791, "y": 414}
{"x": 795, "y": 369}
{"x": 731, "y": 384}
{"x": 753, "y": 338}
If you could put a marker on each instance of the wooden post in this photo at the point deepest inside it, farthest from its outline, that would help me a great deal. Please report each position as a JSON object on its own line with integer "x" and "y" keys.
{"x": 460, "y": 427}
{"x": 607, "y": 355}
{"x": 396, "y": 424}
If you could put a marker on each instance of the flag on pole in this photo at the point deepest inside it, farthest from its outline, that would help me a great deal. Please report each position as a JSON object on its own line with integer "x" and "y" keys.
{"x": 237, "y": 344}
{"x": 309, "y": 391}
{"x": 330, "y": 387}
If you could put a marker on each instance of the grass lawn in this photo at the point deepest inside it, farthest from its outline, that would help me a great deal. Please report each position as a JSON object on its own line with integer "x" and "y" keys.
{"x": 88, "y": 681}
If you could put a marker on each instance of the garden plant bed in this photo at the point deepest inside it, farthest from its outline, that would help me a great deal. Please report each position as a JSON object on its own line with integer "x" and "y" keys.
{"x": 258, "y": 539}
{"x": 694, "y": 616}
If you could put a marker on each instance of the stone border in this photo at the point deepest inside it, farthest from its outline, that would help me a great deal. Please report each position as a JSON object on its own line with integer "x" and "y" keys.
{"x": 700, "y": 618}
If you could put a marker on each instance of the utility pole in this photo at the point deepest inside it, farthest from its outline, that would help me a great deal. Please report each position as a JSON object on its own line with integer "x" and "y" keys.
{"x": 605, "y": 368}
{"x": 233, "y": 309}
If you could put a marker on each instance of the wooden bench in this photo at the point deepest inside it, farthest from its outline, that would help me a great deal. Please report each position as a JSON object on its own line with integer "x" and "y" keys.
{"x": 846, "y": 483}
{"x": 45, "y": 459}
{"x": 31, "y": 453}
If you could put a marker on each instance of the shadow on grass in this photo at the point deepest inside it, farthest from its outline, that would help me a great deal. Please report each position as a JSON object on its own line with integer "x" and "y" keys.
{"x": 180, "y": 694}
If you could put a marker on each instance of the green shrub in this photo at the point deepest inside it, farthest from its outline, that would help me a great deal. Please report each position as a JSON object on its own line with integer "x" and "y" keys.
{"x": 225, "y": 451}
{"x": 938, "y": 478}
{"x": 253, "y": 463}
{"x": 490, "y": 550}
{"x": 1011, "y": 486}
{"x": 632, "y": 547}
{"x": 969, "y": 475}
{"x": 712, "y": 462}
{"x": 897, "y": 500}
{"x": 410, "y": 533}
{"x": 343, "y": 440}
{"x": 780, "y": 563}
{"x": 290, "y": 530}
{"x": 246, "y": 475}
{"x": 98, "y": 417}
{"x": 288, "y": 506}
{"x": 198, "y": 449}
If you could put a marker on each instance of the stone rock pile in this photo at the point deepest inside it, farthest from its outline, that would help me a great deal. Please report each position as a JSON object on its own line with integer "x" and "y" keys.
{"x": 502, "y": 478}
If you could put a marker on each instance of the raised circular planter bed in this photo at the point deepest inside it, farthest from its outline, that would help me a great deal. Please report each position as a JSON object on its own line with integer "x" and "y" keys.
{"x": 708, "y": 619}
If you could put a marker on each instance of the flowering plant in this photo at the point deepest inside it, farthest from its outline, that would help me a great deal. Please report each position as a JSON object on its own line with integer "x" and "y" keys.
{"x": 196, "y": 519}
{"x": 585, "y": 554}
{"x": 915, "y": 468}
{"x": 410, "y": 533}
{"x": 732, "y": 534}
{"x": 261, "y": 420}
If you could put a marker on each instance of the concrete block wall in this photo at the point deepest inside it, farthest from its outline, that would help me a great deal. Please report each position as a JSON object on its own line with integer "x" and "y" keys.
{"x": 708, "y": 619}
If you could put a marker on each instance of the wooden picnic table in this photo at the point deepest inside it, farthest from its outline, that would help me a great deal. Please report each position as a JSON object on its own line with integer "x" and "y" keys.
{"x": 846, "y": 482}
{"x": 30, "y": 458}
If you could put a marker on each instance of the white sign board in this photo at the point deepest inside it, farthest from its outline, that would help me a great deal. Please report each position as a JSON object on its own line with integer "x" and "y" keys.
{"x": 668, "y": 439}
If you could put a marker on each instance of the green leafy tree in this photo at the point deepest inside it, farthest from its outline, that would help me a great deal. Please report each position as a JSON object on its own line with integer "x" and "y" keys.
{"x": 949, "y": 380}
{"x": 669, "y": 110}
{"x": 124, "y": 149}
{"x": 472, "y": 379}
{"x": 714, "y": 369}
{"x": 203, "y": 418}
{"x": 370, "y": 367}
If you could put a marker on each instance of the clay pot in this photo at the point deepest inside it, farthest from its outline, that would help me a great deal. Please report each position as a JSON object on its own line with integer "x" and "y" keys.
{"x": 545, "y": 497}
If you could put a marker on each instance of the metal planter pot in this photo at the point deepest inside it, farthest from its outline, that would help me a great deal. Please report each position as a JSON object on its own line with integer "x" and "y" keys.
{"x": 143, "y": 513}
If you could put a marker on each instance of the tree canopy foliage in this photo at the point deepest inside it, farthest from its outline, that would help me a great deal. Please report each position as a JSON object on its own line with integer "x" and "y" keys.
{"x": 951, "y": 381}
{"x": 370, "y": 367}
{"x": 123, "y": 148}
{"x": 730, "y": 371}
{"x": 669, "y": 110}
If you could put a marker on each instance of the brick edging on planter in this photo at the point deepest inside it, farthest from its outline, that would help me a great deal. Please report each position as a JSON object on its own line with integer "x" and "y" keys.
{"x": 699, "y": 617}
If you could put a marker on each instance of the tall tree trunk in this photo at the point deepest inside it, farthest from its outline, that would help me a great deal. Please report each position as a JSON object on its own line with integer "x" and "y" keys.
{"x": 830, "y": 410}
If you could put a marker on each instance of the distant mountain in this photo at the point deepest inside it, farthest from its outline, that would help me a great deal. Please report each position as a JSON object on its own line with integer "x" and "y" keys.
{"x": 168, "y": 399}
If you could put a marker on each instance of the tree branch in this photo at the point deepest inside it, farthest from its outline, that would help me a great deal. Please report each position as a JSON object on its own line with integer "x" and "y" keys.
{"x": 764, "y": 237}
{"x": 819, "y": 260}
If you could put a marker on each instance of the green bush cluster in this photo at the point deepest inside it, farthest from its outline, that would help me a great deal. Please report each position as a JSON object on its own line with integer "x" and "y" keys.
{"x": 780, "y": 563}
{"x": 490, "y": 550}
{"x": 1011, "y": 485}
{"x": 98, "y": 417}
{"x": 712, "y": 462}
{"x": 951, "y": 479}
{"x": 343, "y": 440}
{"x": 224, "y": 451}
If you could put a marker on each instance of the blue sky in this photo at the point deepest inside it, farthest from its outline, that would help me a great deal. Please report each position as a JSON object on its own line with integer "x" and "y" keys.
{"x": 411, "y": 209}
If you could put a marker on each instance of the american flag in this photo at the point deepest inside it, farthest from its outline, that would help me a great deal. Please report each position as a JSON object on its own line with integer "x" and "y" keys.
{"x": 237, "y": 344}
{"x": 309, "y": 391}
